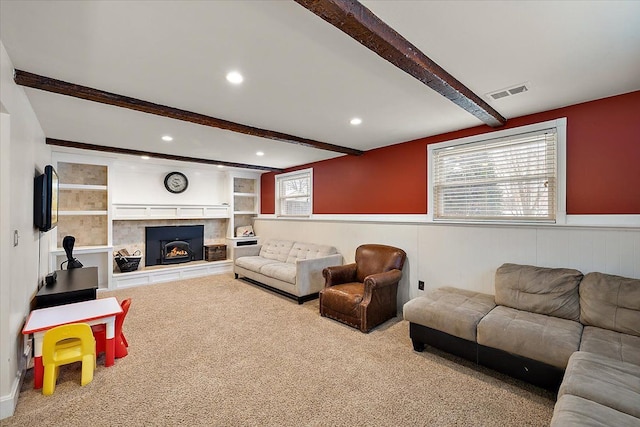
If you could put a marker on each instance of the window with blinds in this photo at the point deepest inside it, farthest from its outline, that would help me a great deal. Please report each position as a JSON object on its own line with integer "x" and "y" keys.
{"x": 506, "y": 179}
{"x": 294, "y": 193}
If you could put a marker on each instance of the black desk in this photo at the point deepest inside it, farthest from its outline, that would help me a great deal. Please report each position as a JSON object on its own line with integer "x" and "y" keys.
{"x": 75, "y": 285}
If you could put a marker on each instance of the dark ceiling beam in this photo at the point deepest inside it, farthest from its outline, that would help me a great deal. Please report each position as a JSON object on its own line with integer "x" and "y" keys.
{"x": 48, "y": 84}
{"x": 361, "y": 24}
{"x": 117, "y": 150}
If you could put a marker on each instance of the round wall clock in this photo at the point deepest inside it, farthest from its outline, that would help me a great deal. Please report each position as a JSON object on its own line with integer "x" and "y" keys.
{"x": 176, "y": 182}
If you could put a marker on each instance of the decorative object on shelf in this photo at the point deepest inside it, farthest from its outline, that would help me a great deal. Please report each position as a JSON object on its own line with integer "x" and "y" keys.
{"x": 244, "y": 231}
{"x": 128, "y": 263}
{"x": 67, "y": 244}
{"x": 176, "y": 182}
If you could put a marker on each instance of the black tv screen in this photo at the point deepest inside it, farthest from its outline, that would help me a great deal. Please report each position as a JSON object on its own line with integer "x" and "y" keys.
{"x": 45, "y": 199}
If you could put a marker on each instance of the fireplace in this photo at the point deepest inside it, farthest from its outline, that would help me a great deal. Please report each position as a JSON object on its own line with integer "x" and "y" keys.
{"x": 174, "y": 244}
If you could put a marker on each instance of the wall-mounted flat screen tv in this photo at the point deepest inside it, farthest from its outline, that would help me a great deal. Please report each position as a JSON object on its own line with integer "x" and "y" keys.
{"x": 45, "y": 199}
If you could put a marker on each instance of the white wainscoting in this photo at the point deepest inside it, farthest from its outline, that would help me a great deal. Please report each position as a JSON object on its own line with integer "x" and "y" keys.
{"x": 467, "y": 256}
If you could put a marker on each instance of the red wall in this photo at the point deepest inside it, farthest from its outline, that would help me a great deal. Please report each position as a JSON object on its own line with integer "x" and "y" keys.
{"x": 603, "y": 166}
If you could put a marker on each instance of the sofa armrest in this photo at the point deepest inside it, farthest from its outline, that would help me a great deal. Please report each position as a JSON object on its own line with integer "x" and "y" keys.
{"x": 339, "y": 274}
{"x": 250, "y": 250}
{"x": 309, "y": 273}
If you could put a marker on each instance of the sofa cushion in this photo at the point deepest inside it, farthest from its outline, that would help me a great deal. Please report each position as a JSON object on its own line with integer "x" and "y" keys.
{"x": 603, "y": 380}
{"x": 574, "y": 411}
{"x": 550, "y": 291}
{"x": 547, "y": 339}
{"x": 276, "y": 249}
{"x": 450, "y": 310}
{"x": 253, "y": 263}
{"x": 610, "y": 302}
{"x": 618, "y": 346}
{"x": 309, "y": 251}
{"x": 280, "y": 270}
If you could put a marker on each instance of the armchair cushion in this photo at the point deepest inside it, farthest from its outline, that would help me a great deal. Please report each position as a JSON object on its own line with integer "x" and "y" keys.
{"x": 344, "y": 298}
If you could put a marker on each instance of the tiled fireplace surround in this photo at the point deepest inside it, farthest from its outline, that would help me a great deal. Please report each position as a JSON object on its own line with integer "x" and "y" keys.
{"x": 130, "y": 234}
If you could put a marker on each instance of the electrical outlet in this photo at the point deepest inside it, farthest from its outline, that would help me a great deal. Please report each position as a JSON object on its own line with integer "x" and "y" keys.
{"x": 420, "y": 285}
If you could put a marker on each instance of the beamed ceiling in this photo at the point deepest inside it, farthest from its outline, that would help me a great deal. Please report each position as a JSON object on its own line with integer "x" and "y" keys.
{"x": 116, "y": 76}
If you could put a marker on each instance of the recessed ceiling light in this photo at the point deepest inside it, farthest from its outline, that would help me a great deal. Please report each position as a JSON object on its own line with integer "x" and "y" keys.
{"x": 356, "y": 121}
{"x": 145, "y": 157}
{"x": 235, "y": 77}
{"x": 259, "y": 153}
{"x": 220, "y": 166}
{"x": 167, "y": 138}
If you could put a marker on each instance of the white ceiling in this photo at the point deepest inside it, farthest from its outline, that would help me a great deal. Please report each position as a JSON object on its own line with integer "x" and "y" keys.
{"x": 303, "y": 76}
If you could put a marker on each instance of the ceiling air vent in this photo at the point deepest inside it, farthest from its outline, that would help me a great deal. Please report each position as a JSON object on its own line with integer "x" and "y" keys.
{"x": 503, "y": 93}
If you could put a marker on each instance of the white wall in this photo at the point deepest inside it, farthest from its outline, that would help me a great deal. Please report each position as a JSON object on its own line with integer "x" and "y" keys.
{"x": 23, "y": 154}
{"x": 140, "y": 181}
{"x": 467, "y": 256}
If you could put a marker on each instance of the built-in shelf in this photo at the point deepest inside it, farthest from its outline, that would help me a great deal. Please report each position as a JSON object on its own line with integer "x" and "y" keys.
{"x": 245, "y": 189}
{"x": 67, "y": 213}
{"x": 83, "y": 187}
{"x": 142, "y": 212}
{"x": 83, "y": 250}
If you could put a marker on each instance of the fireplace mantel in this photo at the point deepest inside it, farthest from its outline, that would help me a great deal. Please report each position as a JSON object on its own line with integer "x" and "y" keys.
{"x": 147, "y": 212}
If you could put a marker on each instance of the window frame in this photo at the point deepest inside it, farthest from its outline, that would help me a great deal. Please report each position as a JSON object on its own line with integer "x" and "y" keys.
{"x": 560, "y": 126}
{"x": 288, "y": 175}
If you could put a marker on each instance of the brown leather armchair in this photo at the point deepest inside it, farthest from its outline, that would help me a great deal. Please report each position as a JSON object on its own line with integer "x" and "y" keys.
{"x": 363, "y": 294}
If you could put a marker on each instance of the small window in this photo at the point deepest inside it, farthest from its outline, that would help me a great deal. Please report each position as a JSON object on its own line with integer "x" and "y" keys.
{"x": 294, "y": 193}
{"x": 511, "y": 178}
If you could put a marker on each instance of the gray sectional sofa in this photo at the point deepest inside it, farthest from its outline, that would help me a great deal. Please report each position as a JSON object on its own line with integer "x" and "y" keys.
{"x": 552, "y": 327}
{"x": 292, "y": 269}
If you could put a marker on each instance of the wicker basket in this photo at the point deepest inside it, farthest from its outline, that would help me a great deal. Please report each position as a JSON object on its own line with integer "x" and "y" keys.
{"x": 129, "y": 263}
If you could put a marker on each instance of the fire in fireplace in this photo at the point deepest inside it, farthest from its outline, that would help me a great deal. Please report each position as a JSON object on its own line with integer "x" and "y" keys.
{"x": 174, "y": 244}
{"x": 175, "y": 252}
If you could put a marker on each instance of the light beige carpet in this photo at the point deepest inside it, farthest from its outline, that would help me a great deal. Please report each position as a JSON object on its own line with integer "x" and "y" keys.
{"x": 221, "y": 352}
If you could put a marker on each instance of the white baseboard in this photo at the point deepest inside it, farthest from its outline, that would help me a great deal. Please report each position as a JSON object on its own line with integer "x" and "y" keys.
{"x": 9, "y": 402}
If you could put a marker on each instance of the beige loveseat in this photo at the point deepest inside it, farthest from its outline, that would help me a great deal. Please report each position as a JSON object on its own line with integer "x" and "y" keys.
{"x": 551, "y": 327}
{"x": 292, "y": 269}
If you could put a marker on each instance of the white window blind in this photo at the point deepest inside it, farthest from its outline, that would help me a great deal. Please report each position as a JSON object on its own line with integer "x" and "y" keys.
{"x": 294, "y": 196}
{"x": 513, "y": 178}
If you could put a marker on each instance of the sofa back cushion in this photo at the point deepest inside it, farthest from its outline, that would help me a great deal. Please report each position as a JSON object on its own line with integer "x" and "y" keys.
{"x": 549, "y": 291}
{"x": 610, "y": 302}
{"x": 309, "y": 251}
{"x": 277, "y": 250}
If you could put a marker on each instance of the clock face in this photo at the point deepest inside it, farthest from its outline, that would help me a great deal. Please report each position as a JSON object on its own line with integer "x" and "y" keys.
{"x": 176, "y": 182}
